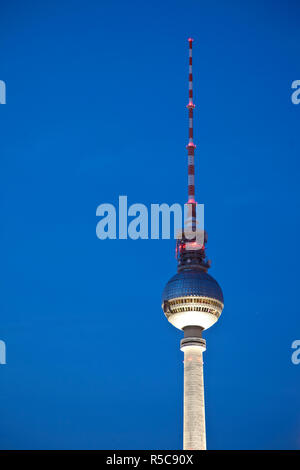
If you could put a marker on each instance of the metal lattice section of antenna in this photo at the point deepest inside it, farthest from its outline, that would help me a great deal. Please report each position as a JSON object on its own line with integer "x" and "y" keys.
{"x": 191, "y": 146}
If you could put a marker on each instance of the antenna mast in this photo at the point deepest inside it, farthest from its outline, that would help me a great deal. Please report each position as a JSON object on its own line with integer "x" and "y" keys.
{"x": 190, "y": 254}
{"x": 191, "y": 146}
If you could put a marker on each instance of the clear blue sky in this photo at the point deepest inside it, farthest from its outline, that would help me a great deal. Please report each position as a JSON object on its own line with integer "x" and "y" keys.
{"x": 96, "y": 96}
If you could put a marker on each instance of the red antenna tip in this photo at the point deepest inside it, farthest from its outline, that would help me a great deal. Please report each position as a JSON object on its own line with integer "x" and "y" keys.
{"x": 190, "y": 39}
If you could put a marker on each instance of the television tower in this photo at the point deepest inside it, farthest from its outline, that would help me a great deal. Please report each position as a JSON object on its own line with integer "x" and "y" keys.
{"x": 192, "y": 301}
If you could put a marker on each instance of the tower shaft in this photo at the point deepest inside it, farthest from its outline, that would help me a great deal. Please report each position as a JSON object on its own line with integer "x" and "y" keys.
{"x": 193, "y": 346}
{"x": 194, "y": 435}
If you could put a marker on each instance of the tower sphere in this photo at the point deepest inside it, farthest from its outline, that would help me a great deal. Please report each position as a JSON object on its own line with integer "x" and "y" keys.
{"x": 192, "y": 298}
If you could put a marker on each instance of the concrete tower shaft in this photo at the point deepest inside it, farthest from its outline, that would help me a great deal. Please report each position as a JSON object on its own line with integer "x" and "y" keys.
{"x": 193, "y": 345}
{"x": 194, "y": 435}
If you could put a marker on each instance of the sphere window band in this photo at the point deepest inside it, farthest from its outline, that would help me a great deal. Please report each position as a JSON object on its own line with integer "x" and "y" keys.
{"x": 176, "y": 305}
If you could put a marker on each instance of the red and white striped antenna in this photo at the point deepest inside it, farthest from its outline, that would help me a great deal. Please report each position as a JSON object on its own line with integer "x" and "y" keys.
{"x": 191, "y": 146}
{"x": 190, "y": 249}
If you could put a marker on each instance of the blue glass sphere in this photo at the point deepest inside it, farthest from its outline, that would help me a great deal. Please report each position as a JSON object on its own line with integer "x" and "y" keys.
{"x": 192, "y": 283}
